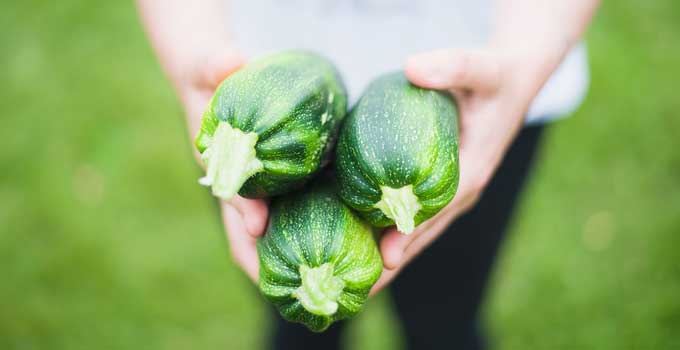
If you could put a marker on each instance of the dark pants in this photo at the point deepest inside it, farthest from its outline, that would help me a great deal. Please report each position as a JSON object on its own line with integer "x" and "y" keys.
{"x": 438, "y": 295}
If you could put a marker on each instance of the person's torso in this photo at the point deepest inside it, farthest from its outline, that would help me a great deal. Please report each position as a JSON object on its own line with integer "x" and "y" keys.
{"x": 366, "y": 38}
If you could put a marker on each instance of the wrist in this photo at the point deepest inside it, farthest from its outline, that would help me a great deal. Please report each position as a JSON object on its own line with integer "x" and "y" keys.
{"x": 531, "y": 55}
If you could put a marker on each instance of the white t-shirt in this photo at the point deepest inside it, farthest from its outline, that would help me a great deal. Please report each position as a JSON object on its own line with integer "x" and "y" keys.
{"x": 365, "y": 38}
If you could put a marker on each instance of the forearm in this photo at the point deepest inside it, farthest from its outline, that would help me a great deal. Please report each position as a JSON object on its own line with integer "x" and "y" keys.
{"x": 184, "y": 32}
{"x": 539, "y": 33}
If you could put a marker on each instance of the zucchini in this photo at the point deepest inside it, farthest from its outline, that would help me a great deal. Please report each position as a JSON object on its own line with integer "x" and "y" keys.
{"x": 397, "y": 155}
{"x": 270, "y": 126}
{"x": 318, "y": 260}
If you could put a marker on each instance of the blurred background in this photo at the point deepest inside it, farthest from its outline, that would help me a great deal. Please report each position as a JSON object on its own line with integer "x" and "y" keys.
{"x": 107, "y": 240}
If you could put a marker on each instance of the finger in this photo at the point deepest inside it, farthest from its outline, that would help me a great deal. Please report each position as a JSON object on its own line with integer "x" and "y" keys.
{"x": 437, "y": 226}
{"x": 385, "y": 278}
{"x": 392, "y": 246}
{"x": 454, "y": 69}
{"x": 243, "y": 246}
{"x": 254, "y": 213}
{"x": 398, "y": 249}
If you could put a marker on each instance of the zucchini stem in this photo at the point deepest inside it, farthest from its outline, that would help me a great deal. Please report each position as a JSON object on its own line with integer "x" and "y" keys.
{"x": 230, "y": 159}
{"x": 400, "y": 205}
{"x": 319, "y": 290}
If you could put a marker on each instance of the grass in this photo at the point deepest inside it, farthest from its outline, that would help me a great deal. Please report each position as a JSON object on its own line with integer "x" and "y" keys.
{"x": 106, "y": 241}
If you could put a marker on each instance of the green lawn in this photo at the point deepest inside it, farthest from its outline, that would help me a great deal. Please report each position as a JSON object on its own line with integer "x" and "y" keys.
{"x": 107, "y": 241}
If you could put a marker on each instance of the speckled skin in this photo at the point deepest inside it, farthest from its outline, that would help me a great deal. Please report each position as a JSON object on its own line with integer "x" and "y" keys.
{"x": 294, "y": 101}
{"x": 397, "y": 135}
{"x": 313, "y": 227}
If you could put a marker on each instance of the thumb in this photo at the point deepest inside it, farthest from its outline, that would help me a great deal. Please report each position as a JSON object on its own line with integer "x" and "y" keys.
{"x": 218, "y": 67}
{"x": 466, "y": 69}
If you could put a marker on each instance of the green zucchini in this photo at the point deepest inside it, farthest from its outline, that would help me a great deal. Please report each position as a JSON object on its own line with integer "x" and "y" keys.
{"x": 270, "y": 126}
{"x": 397, "y": 155}
{"x": 318, "y": 260}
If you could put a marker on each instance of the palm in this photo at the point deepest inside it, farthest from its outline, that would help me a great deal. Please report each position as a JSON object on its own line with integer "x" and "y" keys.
{"x": 489, "y": 119}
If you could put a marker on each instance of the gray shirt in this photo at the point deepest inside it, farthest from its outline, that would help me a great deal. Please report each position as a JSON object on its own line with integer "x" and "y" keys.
{"x": 365, "y": 38}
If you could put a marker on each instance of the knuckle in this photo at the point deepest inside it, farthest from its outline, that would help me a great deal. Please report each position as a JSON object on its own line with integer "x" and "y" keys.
{"x": 461, "y": 65}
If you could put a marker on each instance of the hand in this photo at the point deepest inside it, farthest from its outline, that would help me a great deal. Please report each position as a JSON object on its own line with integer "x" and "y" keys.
{"x": 493, "y": 89}
{"x": 244, "y": 219}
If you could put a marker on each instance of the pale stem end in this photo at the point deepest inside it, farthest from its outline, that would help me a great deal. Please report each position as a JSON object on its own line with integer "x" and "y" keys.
{"x": 231, "y": 160}
{"x": 400, "y": 205}
{"x": 319, "y": 290}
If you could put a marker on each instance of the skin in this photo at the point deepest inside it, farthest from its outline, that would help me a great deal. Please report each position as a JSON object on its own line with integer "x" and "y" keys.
{"x": 494, "y": 86}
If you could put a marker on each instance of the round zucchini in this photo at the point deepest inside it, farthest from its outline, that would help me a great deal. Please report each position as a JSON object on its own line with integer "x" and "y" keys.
{"x": 270, "y": 126}
{"x": 318, "y": 260}
{"x": 397, "y": 154}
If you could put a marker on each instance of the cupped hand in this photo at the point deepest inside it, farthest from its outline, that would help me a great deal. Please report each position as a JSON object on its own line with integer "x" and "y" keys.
{"x": 493, "y": 89}
{"x": 244, "y": 219}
